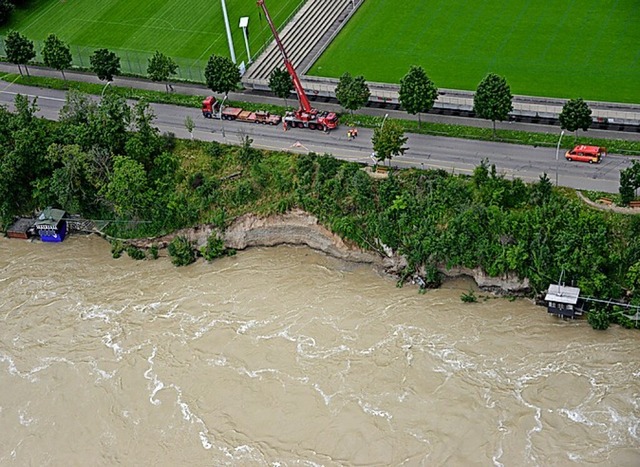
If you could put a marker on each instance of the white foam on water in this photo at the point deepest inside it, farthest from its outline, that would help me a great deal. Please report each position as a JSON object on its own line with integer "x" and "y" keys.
{"x": 155, "y": 385}
{"x": 101, "y": 373}
{"x": 242, "y": 329}
{"x": 574, "y": 457}
{"x": 25, "y": 420}
{"x": 101, "y": 313}
{"x": 205, "y": 441}
{"x": 503, "y": 430}
{"x": 327, "y": 397}
{"x": 118, "y": 352}
{"x": 368, "y": 408}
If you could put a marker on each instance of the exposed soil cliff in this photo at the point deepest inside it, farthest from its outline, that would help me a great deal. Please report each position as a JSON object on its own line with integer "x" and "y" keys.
{"x": 298, "y": 227}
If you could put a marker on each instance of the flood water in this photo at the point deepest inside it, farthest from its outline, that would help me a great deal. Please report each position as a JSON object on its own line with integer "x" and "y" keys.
{"x": 286, "y": 357}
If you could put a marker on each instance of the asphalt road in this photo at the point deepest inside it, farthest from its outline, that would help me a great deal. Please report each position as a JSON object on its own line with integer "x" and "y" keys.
{"x": 429, "y": 152}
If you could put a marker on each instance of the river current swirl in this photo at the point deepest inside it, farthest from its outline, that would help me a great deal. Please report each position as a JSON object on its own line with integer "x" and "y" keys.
{"x": 283, "y": 356}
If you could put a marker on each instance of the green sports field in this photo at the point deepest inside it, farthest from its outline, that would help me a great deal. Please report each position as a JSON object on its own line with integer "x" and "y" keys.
{"x": 573, "y": 48}
{"x": 187, "y": 30}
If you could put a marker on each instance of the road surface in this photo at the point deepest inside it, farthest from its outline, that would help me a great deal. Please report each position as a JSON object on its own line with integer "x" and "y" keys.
{"x": 454, "y": 155}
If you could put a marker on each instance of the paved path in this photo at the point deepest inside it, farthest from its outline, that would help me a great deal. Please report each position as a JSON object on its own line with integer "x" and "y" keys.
{"x": 454, "y": 155}
{"x": 257, "y": 97}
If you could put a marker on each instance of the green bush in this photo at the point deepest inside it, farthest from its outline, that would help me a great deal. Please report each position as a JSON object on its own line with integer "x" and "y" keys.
{"x": 599, "y": 319}
{"x": 135, "y": 253}
{"x": 469, "y": 297}
{"x": 214, "y": 248}
{"x": 181, "y": 251}
{"x": 117, "y": 248}
{"x": 153, "y": 251}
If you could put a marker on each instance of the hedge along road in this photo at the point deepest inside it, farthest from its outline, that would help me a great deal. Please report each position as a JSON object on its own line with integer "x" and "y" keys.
{"x": 459, "y": 156}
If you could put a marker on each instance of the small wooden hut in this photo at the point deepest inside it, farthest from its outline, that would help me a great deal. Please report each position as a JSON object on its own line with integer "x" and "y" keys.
{"x": 563, "y": 301}
{"x": 51, "y": 225}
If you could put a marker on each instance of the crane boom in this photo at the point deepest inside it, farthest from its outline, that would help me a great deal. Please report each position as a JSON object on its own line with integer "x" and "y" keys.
{"x": 302, "y": 96}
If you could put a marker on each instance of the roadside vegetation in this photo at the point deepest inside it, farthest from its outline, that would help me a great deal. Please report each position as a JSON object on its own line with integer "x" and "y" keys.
{"x": 409, "y": 126}
{"x": 107, "y": 161}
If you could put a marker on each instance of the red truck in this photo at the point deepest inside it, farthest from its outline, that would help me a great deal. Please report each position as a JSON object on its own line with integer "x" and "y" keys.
{"x": 213, "y": 108}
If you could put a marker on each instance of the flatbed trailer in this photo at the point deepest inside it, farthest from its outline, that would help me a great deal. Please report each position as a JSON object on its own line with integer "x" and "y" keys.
{"x": 212, "y": 108}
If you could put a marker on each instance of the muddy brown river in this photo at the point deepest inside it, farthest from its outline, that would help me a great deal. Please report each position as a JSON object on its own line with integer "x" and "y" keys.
{"x": 285, "y": 357}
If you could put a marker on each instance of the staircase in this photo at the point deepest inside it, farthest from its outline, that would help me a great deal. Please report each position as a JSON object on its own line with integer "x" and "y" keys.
{"x": 304, "y": 38}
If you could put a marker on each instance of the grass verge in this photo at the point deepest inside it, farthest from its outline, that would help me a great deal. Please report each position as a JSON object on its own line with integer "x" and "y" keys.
{"x": 617, "y": 146}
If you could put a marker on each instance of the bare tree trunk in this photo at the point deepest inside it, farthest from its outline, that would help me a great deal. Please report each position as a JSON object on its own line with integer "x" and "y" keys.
{"x": 63, "y": 76}
{"x": 419, "y": 121}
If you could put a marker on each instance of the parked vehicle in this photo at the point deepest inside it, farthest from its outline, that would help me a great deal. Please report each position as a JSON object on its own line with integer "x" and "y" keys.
{"x": 213, "y": 108}
{"x": 584, "y": 153}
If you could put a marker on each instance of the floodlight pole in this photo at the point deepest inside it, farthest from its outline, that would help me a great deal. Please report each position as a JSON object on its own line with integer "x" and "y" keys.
{"x": 557, "y": 152}
{"x": 232, "y": 52}
{"x": 244, "y": 23}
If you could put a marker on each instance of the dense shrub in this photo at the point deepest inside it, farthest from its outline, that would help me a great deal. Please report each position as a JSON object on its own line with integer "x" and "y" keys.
{"x": 117, "y": 248}
{"x": 135, "y": 253}
{"x": 215, "y": 248}
{"x": 181, "y": 251}
{"x": 599, "y": 318}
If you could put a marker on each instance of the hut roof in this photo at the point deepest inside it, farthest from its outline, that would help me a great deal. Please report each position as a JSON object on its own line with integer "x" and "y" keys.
{"x": 562, "y": 294}
{"x": 50, "y": 217}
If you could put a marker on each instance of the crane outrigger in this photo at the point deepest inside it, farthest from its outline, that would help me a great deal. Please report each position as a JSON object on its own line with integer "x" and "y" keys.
{"x": 306, "y": 116}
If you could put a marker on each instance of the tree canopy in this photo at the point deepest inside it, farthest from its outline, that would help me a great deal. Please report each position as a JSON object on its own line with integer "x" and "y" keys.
{"x": 281, "y": 83}
{"x": 161, "y": 67}
{"x": 493, "y": 99}
{"x": 6, "y": 8}
{"x": 221, "y": 74}
{"x": 575, "y": 115}
{"x": 417, "y": 92}
{"x": 56, "y": 54}
{"x": 352, "y": 93}
{"x": 105, "y": 64}
{"x": 388, "y": 141}
{"x": 19, "y": 50}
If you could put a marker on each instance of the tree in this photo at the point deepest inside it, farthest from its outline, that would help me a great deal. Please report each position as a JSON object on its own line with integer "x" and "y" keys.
{"x": 493, "y": 99}
{"x": 352, "y": 93}
{"x": 105, "y": 64}
{"x": 128, "y": 187}
{"x": 69, "y": 181}
{"x": 6, "y": 8}
{"x": 281, "y": 83}
{"x": 629, "y": 182}
{"x": 575, "y": 114}
{"x": 161, "y": 67}
{"x": 388, "y": 140}
{"x": 19, "y": 50}
{"x": 189, "y": 125}
{"x": 56, "y": 54}
{"x": 221, "y": 74}
{"x": 417, "y": 92}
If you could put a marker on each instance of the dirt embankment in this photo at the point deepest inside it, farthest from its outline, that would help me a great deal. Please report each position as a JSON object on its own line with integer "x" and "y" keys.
{"x": 300, "y": 228}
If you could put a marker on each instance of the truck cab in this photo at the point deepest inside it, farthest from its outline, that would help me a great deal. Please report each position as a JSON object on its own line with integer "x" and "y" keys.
{"x": 584, "y": 153}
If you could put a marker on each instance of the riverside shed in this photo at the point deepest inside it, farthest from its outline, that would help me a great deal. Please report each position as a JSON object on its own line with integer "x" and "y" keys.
{"x": 563, "y": 301}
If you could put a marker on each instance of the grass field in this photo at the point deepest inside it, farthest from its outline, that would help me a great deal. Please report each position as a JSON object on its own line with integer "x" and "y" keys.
{"x": 575, "y": 48}
{"x": 187, "y": 30}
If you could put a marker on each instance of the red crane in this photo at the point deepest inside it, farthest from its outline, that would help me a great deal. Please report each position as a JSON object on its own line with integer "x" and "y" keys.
{"x": 306, "y": 116}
